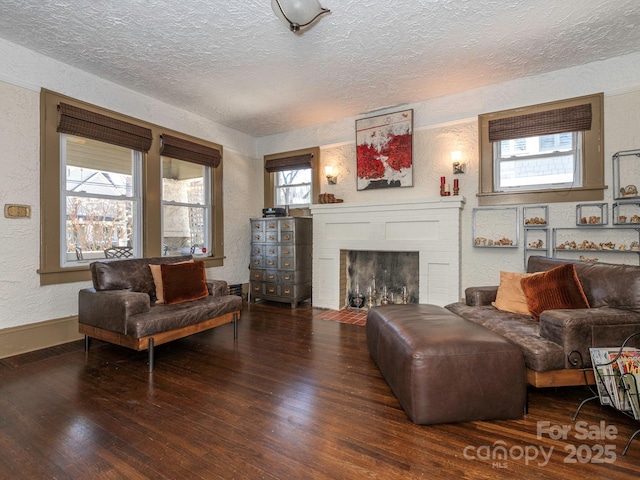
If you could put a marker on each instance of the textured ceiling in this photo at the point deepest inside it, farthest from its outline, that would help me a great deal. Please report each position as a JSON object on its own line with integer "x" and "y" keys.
{"x": 235, "y": 63}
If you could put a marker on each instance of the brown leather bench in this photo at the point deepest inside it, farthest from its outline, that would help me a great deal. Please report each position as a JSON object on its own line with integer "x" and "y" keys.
{"x": 443, "y": 368}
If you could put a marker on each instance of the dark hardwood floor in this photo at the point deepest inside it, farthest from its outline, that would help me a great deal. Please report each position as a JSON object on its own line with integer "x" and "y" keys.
{"x": 293, "y": 397}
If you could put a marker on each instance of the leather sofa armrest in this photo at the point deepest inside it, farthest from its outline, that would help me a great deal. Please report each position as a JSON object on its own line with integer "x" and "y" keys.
{"x": 218, "y": 288}
{"x": 480, "y": 296}
{"x": 110, "y": 309}
{"x": 581, "y": 328}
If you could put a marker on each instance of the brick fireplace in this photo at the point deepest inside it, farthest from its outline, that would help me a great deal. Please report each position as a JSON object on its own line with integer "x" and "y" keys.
{"x": 429, "y": 226}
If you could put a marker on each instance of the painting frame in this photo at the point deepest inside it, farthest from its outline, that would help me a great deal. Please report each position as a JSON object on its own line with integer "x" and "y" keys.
{"x": 384, "y": 151}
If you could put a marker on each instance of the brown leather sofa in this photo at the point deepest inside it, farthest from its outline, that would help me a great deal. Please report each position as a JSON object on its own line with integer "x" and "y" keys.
{"x": 121, "y": 307}
{"x": 550, "y": 344}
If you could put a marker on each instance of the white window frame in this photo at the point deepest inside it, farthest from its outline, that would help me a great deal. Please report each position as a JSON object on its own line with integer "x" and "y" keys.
{"x": 575, "y": 153}
{"x": 135, "y": 198}
{"x": 277, "y": 187}
{"x": 207, "y": 214}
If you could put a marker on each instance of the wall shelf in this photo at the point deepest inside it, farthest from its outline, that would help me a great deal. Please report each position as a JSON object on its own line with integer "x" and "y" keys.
{"x": 592, "y": 214}
{"x": 590, "y": 243}
{"x": 536, "y": 242}
{"x": 496, "y": 227}
{"x": 536, "y": 216}
{"x": 626, "y": 185}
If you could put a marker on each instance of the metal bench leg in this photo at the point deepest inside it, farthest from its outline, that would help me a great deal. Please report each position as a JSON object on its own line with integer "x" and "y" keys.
{"x": 151, "y": 355}
{"x": 235, "y": 326}
{"x": 87, "y": 342}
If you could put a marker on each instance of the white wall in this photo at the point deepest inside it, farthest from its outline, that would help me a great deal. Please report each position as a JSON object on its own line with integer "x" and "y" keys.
{"x": 449, "y": 123}
{"x": 24, "y": 73}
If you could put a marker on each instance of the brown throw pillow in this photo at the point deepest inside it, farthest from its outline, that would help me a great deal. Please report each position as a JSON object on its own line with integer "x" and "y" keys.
{"x": 184, "y": 282}
{"x": 558, "y": 288}
{"x": 510, "y": 297}
{"x": 157, "y": 279}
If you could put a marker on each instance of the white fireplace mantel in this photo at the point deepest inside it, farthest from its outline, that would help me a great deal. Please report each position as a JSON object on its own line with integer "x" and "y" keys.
{"x": 428, "y": 226}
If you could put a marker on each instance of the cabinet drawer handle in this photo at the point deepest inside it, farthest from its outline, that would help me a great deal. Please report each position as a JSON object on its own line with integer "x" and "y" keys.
{"x": 271, "y": 277}
{"x": 287, "y": 237}
{"x": 287, "y": 264}
{"x": 287, "y": 291}
{"x": 271, "y": 290}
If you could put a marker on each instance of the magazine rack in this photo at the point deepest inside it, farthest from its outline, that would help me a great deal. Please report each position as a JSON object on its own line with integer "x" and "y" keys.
{"x": 615, "y": 387}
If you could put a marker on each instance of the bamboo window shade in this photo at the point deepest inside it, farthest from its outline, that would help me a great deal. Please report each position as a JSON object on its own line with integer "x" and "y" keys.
{"x": 181, "y": 149}
{"x": 297, "y": 162}
{"x": 549, "y": 122}
{"x": 85, "y": 123}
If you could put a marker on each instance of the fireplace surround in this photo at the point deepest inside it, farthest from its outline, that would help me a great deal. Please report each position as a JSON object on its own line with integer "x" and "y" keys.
{"x": 429, "y": 226}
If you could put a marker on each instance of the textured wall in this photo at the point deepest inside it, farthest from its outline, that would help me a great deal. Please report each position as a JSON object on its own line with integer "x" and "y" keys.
{"x": 22, "y": 299}
{"x": 450, "y": 123}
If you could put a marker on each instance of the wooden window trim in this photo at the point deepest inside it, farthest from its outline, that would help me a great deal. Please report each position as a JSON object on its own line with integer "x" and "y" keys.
{"x": 269, "y": 178}
{"x": 593, "y": 186}
{"x": 50, "y": 270}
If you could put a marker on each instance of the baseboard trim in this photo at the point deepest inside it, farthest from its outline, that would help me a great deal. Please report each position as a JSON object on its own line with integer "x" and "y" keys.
{"x": 35, "y": 336}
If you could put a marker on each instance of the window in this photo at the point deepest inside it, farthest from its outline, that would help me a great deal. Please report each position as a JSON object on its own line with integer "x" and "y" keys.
{"x": 101, "y": 189}
{"x": 293, "y": 188}
{"x": 102, "y": 184}
{"x": 543, "y": 153}
{"x": 535, "y": 163}
{"x": 186, "y": 196}
{"x": 292, "y": 178}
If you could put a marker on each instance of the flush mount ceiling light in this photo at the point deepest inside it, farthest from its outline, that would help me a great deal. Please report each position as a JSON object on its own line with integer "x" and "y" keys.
{"x": 298, "y": 14}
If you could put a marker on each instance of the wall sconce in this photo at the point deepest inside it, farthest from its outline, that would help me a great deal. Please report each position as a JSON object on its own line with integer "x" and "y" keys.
{"x": 458, "y": 166}
{"x": 332, "y": 175}
{"x": 298, "y": 14}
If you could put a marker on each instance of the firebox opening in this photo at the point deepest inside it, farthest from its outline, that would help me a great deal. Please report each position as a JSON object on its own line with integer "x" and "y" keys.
{"x": 370, "y": 278}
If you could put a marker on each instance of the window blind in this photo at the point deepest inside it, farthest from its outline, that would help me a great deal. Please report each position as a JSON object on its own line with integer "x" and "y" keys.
{"x": 85, "y": 123}
{"x": 297, "y": 162}
{"x": 560, "y": 120}
{"x": 181, "y": 149}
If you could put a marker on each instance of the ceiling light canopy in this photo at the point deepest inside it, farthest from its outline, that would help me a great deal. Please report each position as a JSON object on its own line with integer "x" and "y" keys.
{"x": 298, "y": 14}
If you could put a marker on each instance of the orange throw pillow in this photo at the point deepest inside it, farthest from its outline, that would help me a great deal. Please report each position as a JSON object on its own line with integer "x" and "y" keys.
{"x": 510, "y": 297}
{"x": 555, "y": 289}
{"x": 157, "y": 279}
{"x": 184, "y": 282}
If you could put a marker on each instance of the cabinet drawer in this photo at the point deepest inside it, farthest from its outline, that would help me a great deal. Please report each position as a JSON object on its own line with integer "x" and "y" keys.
{"x": 271, "y": 262}
{"x": 287, "y": 250}
{"x": 257, "y": 261}
{"x": 271, "y": 289}
{"x": 256, "y": 275}
{"x": 272, "y": 276}
{"x": 287, "y": 225}
{"x": 287, "y": 291}
{"x": 271, "y": 236}
{"x": 257, "y": 225}
{"x": 288, "y": 277}
{"x": 287, "y": 263}
{"x": 257, "y": 249}
{"x": 257, "y": 237}
{"x": 271, "y": 225}
{"x": 287, "y": 236}
{"x": 271, "y": 250}
{"x": 257, "y": 288}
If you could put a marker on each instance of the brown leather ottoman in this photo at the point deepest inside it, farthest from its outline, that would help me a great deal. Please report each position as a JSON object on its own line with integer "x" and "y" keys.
{"x": 443, "y": 368}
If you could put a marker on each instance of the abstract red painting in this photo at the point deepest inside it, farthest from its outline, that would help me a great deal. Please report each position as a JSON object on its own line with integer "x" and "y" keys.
{"x": 384, "y": 150}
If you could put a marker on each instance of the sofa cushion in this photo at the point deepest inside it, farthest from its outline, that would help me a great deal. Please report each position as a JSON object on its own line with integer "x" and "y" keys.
{"x": 183, "y": 282}
{"x": 510, "y": 297}
{"x": 604, "y": 284}
{"x": 558, "y": 288}
{"x": 131, "y": 274}
{"x": 156, "y": 273}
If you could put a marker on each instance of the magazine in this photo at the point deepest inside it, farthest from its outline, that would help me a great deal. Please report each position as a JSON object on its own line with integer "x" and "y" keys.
{"x": 629, "y": 367}
{"x": 601, "y": 374}
{"x": 612, "y": 390}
